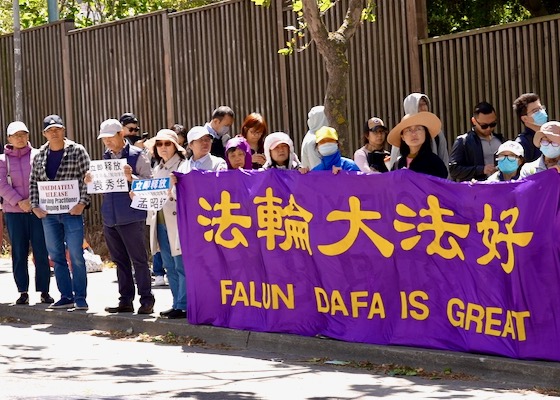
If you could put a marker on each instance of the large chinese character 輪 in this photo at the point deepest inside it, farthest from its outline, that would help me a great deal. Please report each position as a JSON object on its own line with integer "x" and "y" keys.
{"x": 491, "y": 236}
{"x": 224, "y": 221}
{"x": 291, "y": 222}
{"x": 356, "y": 217}
{"x": 437, "y": 225}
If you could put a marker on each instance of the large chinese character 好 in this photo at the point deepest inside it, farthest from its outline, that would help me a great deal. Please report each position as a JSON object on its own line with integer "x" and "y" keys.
{"x": 435, "y": 213}
{"x": 224, "y": 221}
{"x": 491, "y": 236}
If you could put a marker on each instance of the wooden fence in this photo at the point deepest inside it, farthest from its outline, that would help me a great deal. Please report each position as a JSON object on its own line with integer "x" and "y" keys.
{"x": 177, "y": 67}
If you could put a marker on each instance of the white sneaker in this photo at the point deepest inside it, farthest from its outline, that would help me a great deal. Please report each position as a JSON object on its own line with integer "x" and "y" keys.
{"x": 159, "y": 281}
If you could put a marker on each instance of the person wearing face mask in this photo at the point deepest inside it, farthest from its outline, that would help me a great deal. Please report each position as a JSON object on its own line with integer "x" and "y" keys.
{"x": 547, "y": 139}
{"x": 326, "y": 139}
{"x": 219, "y": 127}
{"x": 532, "y": 115}
{"x": 510, "y": 159}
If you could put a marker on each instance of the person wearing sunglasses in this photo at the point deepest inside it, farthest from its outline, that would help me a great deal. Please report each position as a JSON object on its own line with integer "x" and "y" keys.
{"x": 532, "y": 114}
{"x": 131, "y": 130}
{"x": 124, "y": 227}
{"x": 547, "y": 140}
{"x": 473, "y": 153}
{"x": 510, "y": 159}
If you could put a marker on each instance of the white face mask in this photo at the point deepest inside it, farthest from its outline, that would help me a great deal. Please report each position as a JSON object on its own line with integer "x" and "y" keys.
{"x": 223, "y": 130}
{"x": 328, "y": 149}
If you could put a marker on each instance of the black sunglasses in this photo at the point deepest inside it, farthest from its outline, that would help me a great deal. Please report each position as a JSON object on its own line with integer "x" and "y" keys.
{"x": 486, "y": 126}
{"x": 132, "y": 129}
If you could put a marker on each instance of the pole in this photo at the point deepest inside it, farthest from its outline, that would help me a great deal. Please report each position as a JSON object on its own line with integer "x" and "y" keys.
{"x": 53, "y": 11}
{"x": 18, "y": 91}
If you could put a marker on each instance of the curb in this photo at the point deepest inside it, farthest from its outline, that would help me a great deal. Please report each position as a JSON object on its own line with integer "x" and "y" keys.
{"x": 531, "y": 373}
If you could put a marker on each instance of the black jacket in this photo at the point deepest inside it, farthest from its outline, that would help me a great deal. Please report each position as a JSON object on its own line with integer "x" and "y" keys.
{"x": 525, "y": 139}
{"x": 426, "y": 162}
{"x": 467, "y": 158}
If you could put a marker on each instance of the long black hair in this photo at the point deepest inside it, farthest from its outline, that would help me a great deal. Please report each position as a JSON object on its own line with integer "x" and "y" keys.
{"x": 426, "y": 146}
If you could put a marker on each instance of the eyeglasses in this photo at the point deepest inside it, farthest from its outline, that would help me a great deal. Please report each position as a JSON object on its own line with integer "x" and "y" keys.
{"x": 21, "y": 135}
{"x": 536, "y": 110}
{"x": 411, "y": 130}
{"x": 547, "y": 142}
{"x": 132, "y": 129}
{"x": 486, "y": 126}
{"x": 510, "y": 158}
{"x": 166, "y": 144}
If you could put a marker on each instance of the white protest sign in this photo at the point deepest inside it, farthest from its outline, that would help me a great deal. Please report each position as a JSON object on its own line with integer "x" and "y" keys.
{"x": 58, "y": 197}
{"x": 108, "y": 176}
{"x": 150, "y": 194}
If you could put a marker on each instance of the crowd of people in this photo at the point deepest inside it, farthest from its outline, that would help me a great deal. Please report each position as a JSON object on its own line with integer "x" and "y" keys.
{"x": 417, "y": 143}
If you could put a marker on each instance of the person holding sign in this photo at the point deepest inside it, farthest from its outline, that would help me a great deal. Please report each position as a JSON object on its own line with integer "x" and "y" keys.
{"x": 23, "y": 226}
{"x": 124, "y": 227}
{"x": 164, "y": 234}
{"x": 58, "y": 196}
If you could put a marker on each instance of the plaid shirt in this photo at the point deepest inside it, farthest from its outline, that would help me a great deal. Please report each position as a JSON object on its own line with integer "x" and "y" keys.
{"x": 74, "y": 165}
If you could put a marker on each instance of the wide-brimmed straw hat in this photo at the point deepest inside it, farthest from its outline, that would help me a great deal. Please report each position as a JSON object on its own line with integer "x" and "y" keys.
{"x": 424, "y": 118}
{"x": 164, "y": 134}
{"x": 550, "y": 130}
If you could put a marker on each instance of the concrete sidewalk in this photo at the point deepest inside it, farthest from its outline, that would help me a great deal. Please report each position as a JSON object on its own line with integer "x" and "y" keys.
{"x": 102, "y": 292}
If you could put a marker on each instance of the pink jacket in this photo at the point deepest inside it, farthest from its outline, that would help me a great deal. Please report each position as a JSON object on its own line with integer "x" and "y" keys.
{"x": 20, "y": 161}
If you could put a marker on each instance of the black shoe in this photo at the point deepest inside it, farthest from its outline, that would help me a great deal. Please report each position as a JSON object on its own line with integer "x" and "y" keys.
{"x": 146, "y": 309}
{"x": 177, "y": 314}
{"x": 46, "y": 298}
{"x": 121, "y": 308}
{"x": 166, "y": 312}
{"x": 23, "y": 299}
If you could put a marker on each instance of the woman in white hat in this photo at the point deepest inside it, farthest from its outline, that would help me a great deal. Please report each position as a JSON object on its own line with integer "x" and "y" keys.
{"x": 279, "y": 152}
{"x": 510, "y": 159}
{"x": 164, "y": 236}
{"x": 412, "y": 136}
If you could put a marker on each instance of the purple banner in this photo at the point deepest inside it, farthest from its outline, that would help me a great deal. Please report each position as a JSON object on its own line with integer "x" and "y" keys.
{"x": 396, "y": 259}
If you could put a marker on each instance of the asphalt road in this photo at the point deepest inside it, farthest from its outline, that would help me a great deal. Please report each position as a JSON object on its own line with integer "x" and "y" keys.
{"x": 47, "y": 362}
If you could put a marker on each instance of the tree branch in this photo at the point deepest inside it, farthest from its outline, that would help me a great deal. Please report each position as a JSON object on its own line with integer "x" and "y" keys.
{"x": 315, "y": 23}
{"x": 352, "y": 19}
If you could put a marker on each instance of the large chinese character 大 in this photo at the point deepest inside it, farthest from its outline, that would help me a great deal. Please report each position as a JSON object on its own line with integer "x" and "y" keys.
{"x": 491, "y": 236}
{"x": 224, "y": 221}
{"x": 435, "y": 214}
{"x": 356, "y": 216}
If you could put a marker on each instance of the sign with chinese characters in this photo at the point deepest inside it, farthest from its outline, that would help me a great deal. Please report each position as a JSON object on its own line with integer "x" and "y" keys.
{"x": 150, "y": 194}
{"x": 58, "y": 197}
{"x": 107, "y": 176}
{"x": 396, "y": 259}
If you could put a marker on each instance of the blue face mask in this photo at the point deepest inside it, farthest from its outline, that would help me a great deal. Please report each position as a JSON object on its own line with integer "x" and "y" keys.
{"x": 540, "y": 117}
{"x": 550, "y": 151}
{"x": 507, "y": 166}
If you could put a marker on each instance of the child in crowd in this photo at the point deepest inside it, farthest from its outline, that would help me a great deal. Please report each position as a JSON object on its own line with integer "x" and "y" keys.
{"x": 238, "y": 153}
{"x": 326, "y": 139}
{"x": 279, "y": 153}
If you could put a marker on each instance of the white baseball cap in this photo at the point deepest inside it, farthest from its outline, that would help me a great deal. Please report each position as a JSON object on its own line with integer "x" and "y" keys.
{"x": 512, "y": 146}
{"x": 109, "y": 128}
{"x": 15, "y": 127}
{"x": 196, "y": 133}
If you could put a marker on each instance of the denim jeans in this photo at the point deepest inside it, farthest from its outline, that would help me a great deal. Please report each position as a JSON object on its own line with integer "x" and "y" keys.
{"x": 61, "y": 229}
{"x": 24, "y": 228}
{"x": 175, "y": 270}
{"x": 158, "y": 265}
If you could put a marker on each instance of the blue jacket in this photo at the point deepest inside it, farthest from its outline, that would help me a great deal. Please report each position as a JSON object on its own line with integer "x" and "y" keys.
{"x": 327, "y": 162}
{"x": 115, "y": 208}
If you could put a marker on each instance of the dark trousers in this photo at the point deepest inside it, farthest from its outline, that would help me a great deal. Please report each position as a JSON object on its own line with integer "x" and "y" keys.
{"x": 127, "y": 248}
{"x": 23, "y": 229}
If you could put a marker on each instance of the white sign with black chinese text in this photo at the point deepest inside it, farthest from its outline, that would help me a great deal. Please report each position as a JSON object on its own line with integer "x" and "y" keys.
{"x": 107, "y": 176}
{"x": 58, "y": 197}
{"x": 150, "y": 194}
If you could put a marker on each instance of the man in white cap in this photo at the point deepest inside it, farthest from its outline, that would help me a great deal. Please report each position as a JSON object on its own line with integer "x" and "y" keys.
{"x": 61, "y": 159}
{"x": 124, "y": 227}
{"x": 200, "y": 142}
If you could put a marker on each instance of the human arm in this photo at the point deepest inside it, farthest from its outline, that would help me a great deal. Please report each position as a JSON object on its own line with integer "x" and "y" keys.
{"x": 7, "y": 192}
{"x": 360, "y": 158}
{"x": 458, "y": 169}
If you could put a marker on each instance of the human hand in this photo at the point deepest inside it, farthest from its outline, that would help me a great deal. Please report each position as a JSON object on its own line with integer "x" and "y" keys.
{"x": 40, "y": 213}
{"x": 25, "y": 205}
{"x": 489, "y": 169}
{"x": 78, "y": 209}
{"x": 128, "y": 172}
{"x": 88, "y": 178}
{"x": 258, "y": 159}
{"x": 335, "y": 169}
{"x": 303, "y": 170}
